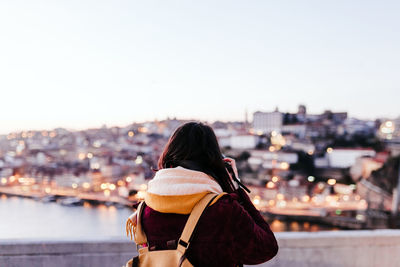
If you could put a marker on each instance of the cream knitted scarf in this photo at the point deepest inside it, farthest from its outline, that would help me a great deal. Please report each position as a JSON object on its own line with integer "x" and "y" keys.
{"x": 176, "y": 190}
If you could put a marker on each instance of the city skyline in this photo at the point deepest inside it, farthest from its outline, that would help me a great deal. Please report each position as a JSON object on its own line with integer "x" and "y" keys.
{"x": 81, "y": 65}
{"x": 249, "y": 118}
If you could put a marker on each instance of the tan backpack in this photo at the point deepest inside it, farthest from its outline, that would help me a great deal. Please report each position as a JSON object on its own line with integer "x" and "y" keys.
{"x": 168, "y": 258}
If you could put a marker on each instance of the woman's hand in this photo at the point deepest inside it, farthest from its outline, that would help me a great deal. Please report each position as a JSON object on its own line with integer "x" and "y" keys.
{"x": 232, "y": 162}
{"x": 236, "y": 181}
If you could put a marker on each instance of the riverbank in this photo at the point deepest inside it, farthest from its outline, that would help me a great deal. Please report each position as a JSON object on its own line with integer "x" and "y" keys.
{"x": 326, "y": 218}
{"x": 94, "y": 198}
{"x": 29, "y": 218}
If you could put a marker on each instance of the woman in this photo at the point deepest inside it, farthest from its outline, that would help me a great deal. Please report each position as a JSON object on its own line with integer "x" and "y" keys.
{"x": 231, "y": 231}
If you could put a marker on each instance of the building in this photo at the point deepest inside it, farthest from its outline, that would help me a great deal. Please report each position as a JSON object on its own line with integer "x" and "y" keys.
{"x": 390, "y": 130}
{"x": 267, "y": 122}
{"x": 247, "y": 141}
{"x": 343, "y": 157}
{"x": 298, "y": 129}
{"x": 363, "y": 167}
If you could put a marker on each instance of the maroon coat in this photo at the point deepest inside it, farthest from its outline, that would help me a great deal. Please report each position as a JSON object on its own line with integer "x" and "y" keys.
{"x": 230, "y": 232}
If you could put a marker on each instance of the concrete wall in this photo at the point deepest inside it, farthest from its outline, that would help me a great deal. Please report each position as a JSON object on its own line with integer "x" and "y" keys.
{"x": 338, "y": 248}
{"x": 322, "y": 249}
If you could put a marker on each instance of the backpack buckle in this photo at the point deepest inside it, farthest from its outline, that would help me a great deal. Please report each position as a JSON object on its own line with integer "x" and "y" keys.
{"x": 183, "y": 243}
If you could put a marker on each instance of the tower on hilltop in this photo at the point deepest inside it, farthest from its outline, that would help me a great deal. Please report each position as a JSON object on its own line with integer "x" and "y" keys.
{"x": 246, "y": 120}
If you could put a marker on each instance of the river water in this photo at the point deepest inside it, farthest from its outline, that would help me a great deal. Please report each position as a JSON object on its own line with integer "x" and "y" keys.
{"x": 22, "y": 218}
{"x": 28, "y": 218}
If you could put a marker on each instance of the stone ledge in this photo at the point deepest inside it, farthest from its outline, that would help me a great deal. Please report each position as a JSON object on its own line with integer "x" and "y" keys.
{"x": 298, "y": 249}
{"x": 21, "y": 247}
{"x": 344, "y": 238}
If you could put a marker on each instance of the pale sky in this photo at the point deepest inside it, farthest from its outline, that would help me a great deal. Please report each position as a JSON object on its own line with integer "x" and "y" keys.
{"x": 79, "y": 64}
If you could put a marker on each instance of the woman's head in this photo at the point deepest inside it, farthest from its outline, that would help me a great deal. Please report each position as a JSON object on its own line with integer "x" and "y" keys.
{"x": 196, "y": 142}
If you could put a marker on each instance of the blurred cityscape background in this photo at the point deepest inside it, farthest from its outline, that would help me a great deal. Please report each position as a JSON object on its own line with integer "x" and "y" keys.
{"x": 303, "y": 94}
{"x": 307, "y": 172}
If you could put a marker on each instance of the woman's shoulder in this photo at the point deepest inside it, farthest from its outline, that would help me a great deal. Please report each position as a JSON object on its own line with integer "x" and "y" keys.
{"x": 227, "y": 202}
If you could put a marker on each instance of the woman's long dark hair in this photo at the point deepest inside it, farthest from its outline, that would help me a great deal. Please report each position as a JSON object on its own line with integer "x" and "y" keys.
{"x": 194, "y": 146}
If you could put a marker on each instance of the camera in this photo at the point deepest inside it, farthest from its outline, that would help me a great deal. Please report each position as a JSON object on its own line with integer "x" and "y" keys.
{"x": 229, "y": 168}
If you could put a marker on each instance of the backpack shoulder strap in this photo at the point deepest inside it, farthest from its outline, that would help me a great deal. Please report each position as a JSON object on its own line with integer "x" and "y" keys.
{"x": 191, "y": 223}
{"x": 140, "y": 236}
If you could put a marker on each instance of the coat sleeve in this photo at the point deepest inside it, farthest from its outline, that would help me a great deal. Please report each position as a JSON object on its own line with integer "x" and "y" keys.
{"x": 253, "y": 240}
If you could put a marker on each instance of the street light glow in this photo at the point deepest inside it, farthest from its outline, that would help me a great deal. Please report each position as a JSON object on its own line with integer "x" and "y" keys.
{"x": 107, "y": 193}
{"x": 270, "y": 185}
{"x": 284, "y": 165}
{"x": 256, "y": 200}
{"x": 331, "y": 181}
